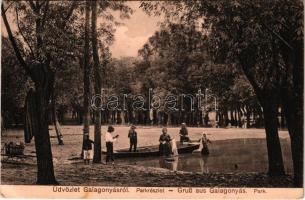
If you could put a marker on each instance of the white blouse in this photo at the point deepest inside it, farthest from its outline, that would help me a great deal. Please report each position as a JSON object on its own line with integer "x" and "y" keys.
{"x": 109, "y": 138}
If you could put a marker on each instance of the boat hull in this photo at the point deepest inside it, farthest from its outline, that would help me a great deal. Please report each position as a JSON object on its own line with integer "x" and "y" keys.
{"x": 151, "y": 151}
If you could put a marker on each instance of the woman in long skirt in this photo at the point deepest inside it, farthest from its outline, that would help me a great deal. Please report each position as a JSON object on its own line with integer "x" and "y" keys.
{"x": 205, "y": 148}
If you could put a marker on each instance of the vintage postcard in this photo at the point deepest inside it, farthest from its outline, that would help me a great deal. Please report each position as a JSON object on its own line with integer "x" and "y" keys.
{"x": 152, "y": 99}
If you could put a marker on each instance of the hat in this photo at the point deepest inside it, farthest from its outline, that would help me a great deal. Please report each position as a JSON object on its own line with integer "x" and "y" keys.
{"x": 133, "y": 127}
{"x": 183, "y": 123}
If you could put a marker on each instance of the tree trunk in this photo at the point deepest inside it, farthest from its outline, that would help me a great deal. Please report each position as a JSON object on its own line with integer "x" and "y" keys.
{"x": 86, "y": 115}
{"x": 295, "y": 128}
{"x": 55, "y": 121}
{"x": 97, "y": 156}
{"x": 248, "y": 115}
{"x": 294, "y": 116}
{"x": 270, "y": 109}
{"x": 44, "y": 85}
{"x": 43, "y": 79}
{"x": 226, "y": 117}
{"x": 231, "y": 117}
{"x": 293, "y": 106}
{"x": 169, "y": 119}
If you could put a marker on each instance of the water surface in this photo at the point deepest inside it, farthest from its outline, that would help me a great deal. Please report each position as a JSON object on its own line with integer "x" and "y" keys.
{"x": 242, "y": 155}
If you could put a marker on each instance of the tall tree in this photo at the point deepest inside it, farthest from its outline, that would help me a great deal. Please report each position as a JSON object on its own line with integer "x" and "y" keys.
{"x": 264, "y": 40}
{"x": 86, "y": 68}
{"x": 97, "y": 157}
{"x": 106, "y": 34}
{"x": 41, "y": 20}
{"x": 43, "y": 79}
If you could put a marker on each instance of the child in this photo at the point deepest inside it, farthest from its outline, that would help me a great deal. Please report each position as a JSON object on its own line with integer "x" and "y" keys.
{"x": 205, "y": 141}
{"x": 87, "y": 149}
{"x": 132, "y": 134}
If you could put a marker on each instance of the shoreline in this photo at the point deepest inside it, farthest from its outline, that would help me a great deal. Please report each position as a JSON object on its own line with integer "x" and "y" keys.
{"x": 128, "y": 174}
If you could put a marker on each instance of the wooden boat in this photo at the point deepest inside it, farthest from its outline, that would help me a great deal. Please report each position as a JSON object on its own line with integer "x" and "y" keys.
{"x": 149, "y": 151}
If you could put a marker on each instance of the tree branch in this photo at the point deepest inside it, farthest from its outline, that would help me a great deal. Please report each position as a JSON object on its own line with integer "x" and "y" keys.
{"x": 46, "y": 9}
{"x": 14, "y": 44}
{"x": 278, "y": 36}
{"x": 70, "y": 12}
{"x": 24, "y": 38}
{"x": 9, "y": 6}
{"x": 32, "y": 5}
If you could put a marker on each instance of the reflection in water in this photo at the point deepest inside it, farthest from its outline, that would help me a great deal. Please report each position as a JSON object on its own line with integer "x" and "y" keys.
{"x": 169, "y": 163}
{"x": 204, "y": 164}
{"x": 244, "y": 155}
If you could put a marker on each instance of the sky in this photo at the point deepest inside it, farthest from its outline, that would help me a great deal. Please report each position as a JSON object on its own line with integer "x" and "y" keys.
{"x": 131, "y": 36}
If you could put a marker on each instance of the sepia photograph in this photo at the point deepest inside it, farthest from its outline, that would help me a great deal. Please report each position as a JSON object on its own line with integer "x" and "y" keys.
{"x": 152, "y": 99}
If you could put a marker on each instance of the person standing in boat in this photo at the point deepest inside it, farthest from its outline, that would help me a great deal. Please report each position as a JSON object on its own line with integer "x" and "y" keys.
{"x": 184, "y": 133}
{"x": 165, "y": 147}
{"x": 205, "y": 141}
{"x": 109, "y": 144}
{"x": 132, "y": 134}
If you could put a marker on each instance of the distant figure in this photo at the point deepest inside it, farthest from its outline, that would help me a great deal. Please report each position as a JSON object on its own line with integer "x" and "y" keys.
{"x": 205, "y": 141}
{"x": 184, "y": 134}
{"x": 109, "y": 143}
{"x": 87, "y": 149}
{"x": 164, "y": 147}
{"x": 132, "y": 134}
{"x": 243, "y": 122}
{"x": 206, "y": 119}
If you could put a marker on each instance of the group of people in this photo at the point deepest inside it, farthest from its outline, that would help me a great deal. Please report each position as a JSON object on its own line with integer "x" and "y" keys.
{"x": 167, "y": 146}
{"x": 109, "y": 139}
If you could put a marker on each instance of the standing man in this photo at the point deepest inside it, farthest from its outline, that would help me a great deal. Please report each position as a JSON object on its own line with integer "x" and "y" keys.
{"x": 132, "y": 134}
{"x": 87, "y": 149}
{"x": 109, "y": 144}
{"x": 184, "y": 134}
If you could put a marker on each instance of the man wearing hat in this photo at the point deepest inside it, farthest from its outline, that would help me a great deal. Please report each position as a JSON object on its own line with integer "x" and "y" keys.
{"x": 109, "y": 144}
{"x": 132, "y": 134}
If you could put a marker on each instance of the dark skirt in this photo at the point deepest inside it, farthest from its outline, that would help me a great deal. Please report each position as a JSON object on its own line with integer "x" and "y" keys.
{"x": 165, "y": 149}
{"x": 205, "y": 150}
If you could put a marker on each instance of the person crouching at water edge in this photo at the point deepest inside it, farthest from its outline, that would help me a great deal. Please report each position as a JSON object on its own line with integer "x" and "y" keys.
{"x": 109, "y": 144}
{"x": 165, "y": 146}
{"x": 132, "y": 134}
{"x": 204, "y": 143}
{"x": 87, "y": 149}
